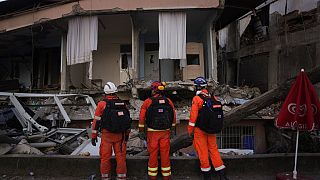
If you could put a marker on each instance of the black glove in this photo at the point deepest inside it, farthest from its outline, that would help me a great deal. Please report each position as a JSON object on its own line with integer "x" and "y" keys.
{"x": 94, "y": 141}
{"x": 142, "y": 135}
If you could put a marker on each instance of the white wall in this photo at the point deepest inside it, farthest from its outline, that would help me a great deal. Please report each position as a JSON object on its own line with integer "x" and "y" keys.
{"x": 301, "y": 5}
{"x": 77, "y": 74}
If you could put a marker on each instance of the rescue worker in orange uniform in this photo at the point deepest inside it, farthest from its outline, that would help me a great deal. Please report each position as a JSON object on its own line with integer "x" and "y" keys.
{"x": 112, "y": 119}
{"x": 159, "y": 115}
{"x": 203, "y": 132}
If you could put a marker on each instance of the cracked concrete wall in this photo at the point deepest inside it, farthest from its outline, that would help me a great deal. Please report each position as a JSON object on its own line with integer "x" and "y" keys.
{"x": 54, "y": 12}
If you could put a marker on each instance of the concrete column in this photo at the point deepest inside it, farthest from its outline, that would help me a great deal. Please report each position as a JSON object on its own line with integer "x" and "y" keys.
{"x": 273, "y": 69}
{"x": 63, "y": 70}
{"x": 141, "y": 57}
{"x": 238, "y": 70}
{"x": 214, "y": 54}
{"x": 234, "y": 39}
{"x": 135, "y": 49}
{"x": 273, "y": 64}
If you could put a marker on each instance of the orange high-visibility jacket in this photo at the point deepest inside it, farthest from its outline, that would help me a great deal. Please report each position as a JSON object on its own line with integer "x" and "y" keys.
{"x": 197, "y": 103}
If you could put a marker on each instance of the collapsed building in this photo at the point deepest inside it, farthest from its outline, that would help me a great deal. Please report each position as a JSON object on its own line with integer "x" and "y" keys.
{"x": 127, "y": 43}
{"x": 267, "y": 46}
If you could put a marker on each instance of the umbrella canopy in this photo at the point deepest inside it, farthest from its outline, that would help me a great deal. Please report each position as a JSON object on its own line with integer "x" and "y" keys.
{"x": 300, "y": 110}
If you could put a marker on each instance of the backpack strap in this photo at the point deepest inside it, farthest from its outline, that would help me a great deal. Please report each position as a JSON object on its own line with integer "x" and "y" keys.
{"x": 108, "y": 102}
{"x": 204, "y": 98}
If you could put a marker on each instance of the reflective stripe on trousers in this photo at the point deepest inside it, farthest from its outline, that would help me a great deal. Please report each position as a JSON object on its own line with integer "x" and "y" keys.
{"x": 121, "y": 176}
{"x": 105, "y": 177}
{"x": 205, "y": 145}
{"x": 158, "y": 141}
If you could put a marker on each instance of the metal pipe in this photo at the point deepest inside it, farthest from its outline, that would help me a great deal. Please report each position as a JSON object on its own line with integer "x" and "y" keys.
{"x": 43, "y": 145}
{"x": 295, "y": 173}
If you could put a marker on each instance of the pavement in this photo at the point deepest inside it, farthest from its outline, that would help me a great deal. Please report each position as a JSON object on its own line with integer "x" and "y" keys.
{"x": 240, "y": 177}
{"x": 253, "y": 167}
{"x": 130, "y": 178}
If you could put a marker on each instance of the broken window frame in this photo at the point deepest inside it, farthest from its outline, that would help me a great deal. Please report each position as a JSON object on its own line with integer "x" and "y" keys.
{"x": 28, "y": 122}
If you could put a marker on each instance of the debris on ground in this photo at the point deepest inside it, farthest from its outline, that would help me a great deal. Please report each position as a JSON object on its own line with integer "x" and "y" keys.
{"x": 234, "y": 152}
{"x": 135, "y": 144}
{"x": 23, "y": 147}
{"x": 38, "y": 123}
{"x": 5, "y": 148}
{"x": 45, "y": 120}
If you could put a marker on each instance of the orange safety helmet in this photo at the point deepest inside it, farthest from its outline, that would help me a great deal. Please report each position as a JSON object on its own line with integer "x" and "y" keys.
{"x": 158, "y": 86}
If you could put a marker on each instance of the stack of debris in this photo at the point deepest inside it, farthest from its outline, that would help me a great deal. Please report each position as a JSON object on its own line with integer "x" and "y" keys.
{"x": 232, "y": 97}
{"x": 38, "y": 124}
{"x": 31, "y": 125}
{"x": 229, "y": 97}
{"x": 135, "y": 144}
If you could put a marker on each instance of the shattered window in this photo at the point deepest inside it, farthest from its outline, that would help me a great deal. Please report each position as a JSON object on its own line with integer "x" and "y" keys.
{"x": 126, "y": 61}
{"x": 193, "y": 59}
{"x": 125, "y": 55}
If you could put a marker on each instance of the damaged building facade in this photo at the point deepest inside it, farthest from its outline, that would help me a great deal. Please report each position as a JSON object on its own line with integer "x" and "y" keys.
{"x": 73, "y": 46}
{"x": 67, "y": 46}
{"x": 264, "y": 47}
{"x": 269, "y": 45}
{"x": 120, "y": 42}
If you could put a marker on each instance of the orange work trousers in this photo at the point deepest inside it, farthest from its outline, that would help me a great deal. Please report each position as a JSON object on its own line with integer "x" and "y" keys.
{"x": 205, "y": 145}
{"x": 116, "y": 142}
{"x": 159, "y": 140}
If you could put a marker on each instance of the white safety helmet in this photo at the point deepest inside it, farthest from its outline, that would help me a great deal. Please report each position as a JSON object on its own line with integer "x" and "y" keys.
{"x": 110, "y": 88}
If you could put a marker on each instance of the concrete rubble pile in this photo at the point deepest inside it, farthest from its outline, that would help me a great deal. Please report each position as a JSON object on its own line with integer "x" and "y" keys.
{"x": 232, "y": 97}
{"x": 51, "y": 132}
{"x": 229, "y": 97}
{"x": 43, "y": 121}
{"x": 40, "y": 123}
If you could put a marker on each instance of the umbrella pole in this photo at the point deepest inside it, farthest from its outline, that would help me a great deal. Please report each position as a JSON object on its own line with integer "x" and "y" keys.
{"x": 296, "y": 157}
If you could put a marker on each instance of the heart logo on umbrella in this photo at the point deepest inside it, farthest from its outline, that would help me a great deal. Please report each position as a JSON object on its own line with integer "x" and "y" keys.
{"x": 292, "y": 108}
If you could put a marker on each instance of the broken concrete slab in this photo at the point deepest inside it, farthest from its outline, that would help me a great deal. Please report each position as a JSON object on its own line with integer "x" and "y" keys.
{"x": 55, "y": 111}
{"x": 5, "y": 148}
{"x": 23, "y": 147}
{"x": 87, "y": 148}
{"x": 233, "y": 152}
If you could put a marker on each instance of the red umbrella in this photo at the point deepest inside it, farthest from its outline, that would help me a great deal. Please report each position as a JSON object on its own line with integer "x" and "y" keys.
{"x": 300, "y": 110}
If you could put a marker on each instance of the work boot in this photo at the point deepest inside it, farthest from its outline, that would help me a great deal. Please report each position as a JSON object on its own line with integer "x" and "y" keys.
{"x": 207, "y": 175}
{"x": 222, "y": 175}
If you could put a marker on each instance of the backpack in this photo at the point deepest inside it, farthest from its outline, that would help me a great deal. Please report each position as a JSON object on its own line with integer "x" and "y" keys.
{"x": 115, "y": 117}
{"x": 210, "y": 116}
{"x": 160, "y": 114}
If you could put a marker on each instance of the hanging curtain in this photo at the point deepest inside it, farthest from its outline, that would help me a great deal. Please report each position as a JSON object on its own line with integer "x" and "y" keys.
{"x": 82, "y": 39}
{"x": 172, "y": 36}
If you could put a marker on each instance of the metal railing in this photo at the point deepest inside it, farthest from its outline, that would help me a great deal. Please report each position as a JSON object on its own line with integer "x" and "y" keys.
{"x": 237, "y": 137}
